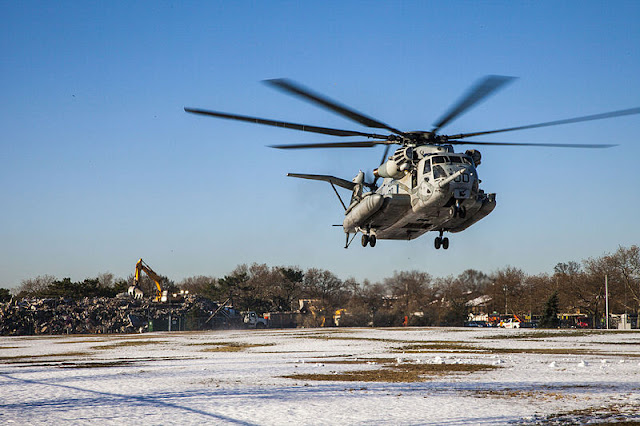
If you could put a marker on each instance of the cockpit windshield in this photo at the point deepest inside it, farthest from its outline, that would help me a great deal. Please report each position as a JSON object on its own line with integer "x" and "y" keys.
{"x": 438, "y": 172}
{"x": 450, "y": 159}
{"x": 438, "y": 161}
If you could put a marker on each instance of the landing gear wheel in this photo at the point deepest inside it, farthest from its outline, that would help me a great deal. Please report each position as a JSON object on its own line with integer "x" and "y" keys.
{"x": 365, "y": 240}
{"x": 445, "y": 243}
{"x": 437, "y": 243}
{"x": 372, "y": 241}
{"x": 462, "y": 212}
{"x": 453, "y": 211}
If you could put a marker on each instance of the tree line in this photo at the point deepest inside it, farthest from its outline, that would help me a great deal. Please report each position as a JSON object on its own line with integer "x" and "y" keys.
{"x": 416, "y": 295}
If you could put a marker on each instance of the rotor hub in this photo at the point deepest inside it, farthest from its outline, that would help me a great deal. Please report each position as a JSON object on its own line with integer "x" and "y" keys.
{"x": 420, "y": 137}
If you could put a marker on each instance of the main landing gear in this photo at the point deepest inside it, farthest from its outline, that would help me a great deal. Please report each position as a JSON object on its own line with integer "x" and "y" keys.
{"x": 441, "y": 242}
{"x": 368, "y": 239}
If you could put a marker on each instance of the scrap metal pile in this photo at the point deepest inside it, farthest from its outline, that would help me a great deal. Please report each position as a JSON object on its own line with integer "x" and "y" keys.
{"x": 99, "y": 315}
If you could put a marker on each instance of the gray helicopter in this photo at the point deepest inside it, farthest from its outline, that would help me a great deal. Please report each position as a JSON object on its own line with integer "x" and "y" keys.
{"x": 426, "y": 185}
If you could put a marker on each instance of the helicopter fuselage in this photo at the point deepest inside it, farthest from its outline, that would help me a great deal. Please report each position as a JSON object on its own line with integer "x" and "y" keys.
{"x": 437, "y": 190}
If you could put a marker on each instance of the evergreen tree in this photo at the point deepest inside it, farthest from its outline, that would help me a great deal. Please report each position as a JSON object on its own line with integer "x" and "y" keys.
{"x": 550, "y": 316}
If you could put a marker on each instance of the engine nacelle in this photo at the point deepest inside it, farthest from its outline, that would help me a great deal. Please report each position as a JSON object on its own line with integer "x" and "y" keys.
{"x": 389, "y": 169}
{"x": 395, "y": 167}
{"x": 475, "y": 155}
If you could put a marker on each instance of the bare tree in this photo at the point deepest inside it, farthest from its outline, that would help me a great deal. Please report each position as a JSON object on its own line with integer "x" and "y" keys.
{"x": 474, "y": 281}
{"x": 326, "y": 287}
{"x": 450, "y": 308}
{"x": 537, "y": 290}
{"x": 373, "y": 295}
{"x": 32, "y": 287}
{"x": 322, "y": 284}
{"x": 587, "y": 288}
{"x": 264, "y": 283}
{"x": 507, "y": 290}
{"x": 202, "y": 285}
{"x": 106, "y": 279}
{"x": 625, "y": 265}
{"x": 411, "y": 288}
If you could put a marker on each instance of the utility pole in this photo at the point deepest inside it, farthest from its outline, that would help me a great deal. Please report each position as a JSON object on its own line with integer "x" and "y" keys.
{"x": 606, "y": 298}
{"x": 406, "y": 294}
{"x": 504, "y": 287}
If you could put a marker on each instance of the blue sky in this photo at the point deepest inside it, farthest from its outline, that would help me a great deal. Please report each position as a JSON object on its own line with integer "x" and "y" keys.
{"x": 100, "y": 165}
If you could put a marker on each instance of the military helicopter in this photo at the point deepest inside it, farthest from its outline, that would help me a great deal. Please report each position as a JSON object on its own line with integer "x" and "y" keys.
{"x": 426, "y": 185}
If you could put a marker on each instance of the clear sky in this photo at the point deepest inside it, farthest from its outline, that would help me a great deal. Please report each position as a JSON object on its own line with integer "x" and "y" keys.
{"x": 100, "y": 165}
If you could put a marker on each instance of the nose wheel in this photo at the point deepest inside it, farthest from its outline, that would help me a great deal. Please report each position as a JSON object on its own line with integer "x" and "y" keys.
{"x": 458, "y": 211}
{"x": 441, "y": 242}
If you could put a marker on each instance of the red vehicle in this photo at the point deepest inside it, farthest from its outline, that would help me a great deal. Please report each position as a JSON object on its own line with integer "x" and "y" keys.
{"x": 582, "y": 323}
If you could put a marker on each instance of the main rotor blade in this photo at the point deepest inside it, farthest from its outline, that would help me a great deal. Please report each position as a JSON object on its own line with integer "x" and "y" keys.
{"x": 284, "y": 124}
{"x": 552, "y": 145}
{"x": 478, "y": 92}
{"x": 602, "y": 116}
{"x": 384, "y": 154}
{"x": 358, "y": 144}
{"x": 374, "y": 184}
{"x": 295, "y": 89}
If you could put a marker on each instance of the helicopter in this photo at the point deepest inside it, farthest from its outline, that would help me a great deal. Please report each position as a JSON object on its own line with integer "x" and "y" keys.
{"x": 426, "y": 186}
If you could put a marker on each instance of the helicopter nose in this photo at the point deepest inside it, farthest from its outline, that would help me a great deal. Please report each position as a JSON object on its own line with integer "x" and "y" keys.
{"x": 462, "y": 182}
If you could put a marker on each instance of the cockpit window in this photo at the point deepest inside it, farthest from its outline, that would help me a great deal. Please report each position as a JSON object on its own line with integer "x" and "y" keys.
{"x": 438, "y": 172}
{"x": 450, "y": 159}
{"x": 427, "y": 167}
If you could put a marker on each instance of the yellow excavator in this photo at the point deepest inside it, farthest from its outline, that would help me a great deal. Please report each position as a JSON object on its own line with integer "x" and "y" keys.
{"x": 136, "y": 292}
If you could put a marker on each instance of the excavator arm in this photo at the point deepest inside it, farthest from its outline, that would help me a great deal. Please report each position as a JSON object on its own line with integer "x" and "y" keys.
{"x": 141, "y": 266}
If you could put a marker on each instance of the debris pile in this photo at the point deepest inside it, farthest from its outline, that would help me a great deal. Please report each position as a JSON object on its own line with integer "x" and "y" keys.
{"x": 100, "y": 315}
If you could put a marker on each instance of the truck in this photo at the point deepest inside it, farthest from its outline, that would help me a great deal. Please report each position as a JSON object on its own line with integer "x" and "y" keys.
{"x": 253, "y": 320}
{"x": 510, "y": 323}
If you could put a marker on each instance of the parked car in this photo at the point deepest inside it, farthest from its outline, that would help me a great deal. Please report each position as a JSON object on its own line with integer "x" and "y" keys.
{"x": 582, "y": 324}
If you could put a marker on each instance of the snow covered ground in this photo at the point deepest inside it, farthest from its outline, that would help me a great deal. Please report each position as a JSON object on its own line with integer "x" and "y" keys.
{"x": 426, "y": 376}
